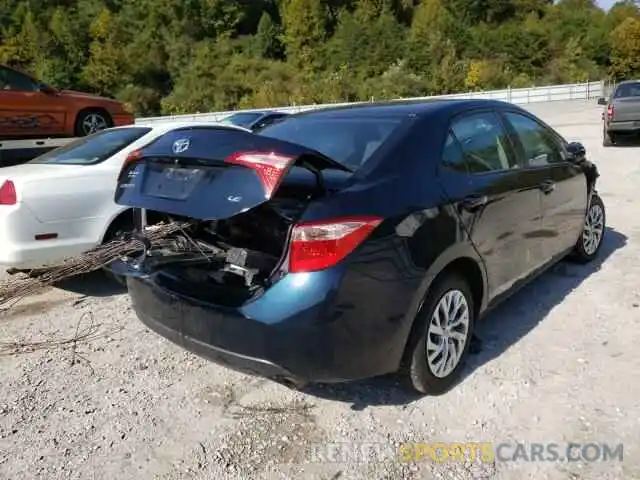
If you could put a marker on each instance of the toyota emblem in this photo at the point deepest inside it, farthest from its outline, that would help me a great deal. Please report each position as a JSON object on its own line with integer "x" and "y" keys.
{"x": 180, "y": 146}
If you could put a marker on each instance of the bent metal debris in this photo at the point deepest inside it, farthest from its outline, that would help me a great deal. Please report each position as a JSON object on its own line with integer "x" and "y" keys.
{"x": 33, "y": 282}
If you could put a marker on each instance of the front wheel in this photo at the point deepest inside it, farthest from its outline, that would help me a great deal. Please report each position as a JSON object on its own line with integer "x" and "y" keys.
{"x": 440, "y": 344}
{"x": 589, "y": 243}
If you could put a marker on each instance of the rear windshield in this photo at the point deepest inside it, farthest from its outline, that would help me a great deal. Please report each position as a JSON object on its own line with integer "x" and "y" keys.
{"x": 349, "y": 141}
{"x": 93, "y": 149}
{"x": 627, "y": 90}
{"x": 242, "y": 119}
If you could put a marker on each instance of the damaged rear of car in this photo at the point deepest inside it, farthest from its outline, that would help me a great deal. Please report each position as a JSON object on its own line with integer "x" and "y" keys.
{"x": 252, "y": 281}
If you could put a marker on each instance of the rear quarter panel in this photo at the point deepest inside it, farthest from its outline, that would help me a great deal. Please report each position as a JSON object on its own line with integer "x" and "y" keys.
{"x": 116, "y": 110}
{"x": 75, "y": 204}
{"x": 387, "y": 277}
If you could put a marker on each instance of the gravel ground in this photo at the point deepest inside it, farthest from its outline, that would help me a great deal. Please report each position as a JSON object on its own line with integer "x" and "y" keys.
{"x": 557, "y": 365}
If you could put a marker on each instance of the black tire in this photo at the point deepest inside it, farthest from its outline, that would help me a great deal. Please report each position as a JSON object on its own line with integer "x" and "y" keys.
{"x": 584, "y": 250}
{"x": 102, "y": 118}
{"x": 419, "y": 372}
{"x": 118, "y": 229}
{"x": 608, "y": 139}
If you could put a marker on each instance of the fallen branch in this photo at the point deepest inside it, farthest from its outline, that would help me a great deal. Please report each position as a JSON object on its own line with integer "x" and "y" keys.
{"x": 86, "y": 334}
{"x": 22, "y": 285}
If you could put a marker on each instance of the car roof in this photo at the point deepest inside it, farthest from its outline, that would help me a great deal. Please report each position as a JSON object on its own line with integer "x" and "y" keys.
{"x": 259, "y": 112}
{"x": 403, "y": 108}
{"x": 174, "y": 124}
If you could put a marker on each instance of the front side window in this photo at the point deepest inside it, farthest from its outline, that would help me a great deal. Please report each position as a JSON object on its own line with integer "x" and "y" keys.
{"x": 94, "y": 148}
{"x": 484, "y": 142}
{"x": 15, "y": 81}
{"x": 537, "y": 141}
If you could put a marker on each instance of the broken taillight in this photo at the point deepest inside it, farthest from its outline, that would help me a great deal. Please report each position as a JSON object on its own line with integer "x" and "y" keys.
{"x": 271, "y": 167}
{"x": 610, "y": 112}
{"x": 320, "y": 245}
{"x": 8, "y": 194}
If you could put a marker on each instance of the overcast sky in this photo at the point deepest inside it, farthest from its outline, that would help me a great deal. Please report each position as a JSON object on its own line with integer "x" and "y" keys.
{"x": 606, "y": 4}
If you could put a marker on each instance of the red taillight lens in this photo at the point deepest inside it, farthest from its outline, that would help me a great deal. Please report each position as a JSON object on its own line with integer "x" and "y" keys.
{"x": 8, "y": 194}
{"x": 133, "y": 157}
{"x": 610, "y": 112}
{"x": 271, "y": 167}
{"x": 319, "y": 245}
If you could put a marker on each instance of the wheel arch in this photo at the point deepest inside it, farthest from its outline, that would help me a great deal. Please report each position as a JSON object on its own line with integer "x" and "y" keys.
{"x": 462, "y": 260}
{"x": 124, "y": 216}
{"x": 118, "y": 219}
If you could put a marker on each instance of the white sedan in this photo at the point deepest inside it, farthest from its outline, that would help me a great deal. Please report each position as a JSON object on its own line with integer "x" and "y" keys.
{"x": 61, "y": 204}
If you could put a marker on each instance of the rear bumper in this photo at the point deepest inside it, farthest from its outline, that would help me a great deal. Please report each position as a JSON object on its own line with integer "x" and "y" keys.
{"x": 293, "y": 332}
{"x": 623, "y": 127}
{"x": 235, "y": 361}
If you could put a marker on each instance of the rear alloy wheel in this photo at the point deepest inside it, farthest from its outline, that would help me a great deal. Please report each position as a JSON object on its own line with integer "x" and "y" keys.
{"x": 593, "y": 231}
{"x": 608, "y": 139}
{"x": 440, "y": 345}
{"x": 91, "y": 122}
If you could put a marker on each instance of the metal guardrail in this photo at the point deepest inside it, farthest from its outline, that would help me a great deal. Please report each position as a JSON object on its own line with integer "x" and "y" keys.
{"x": 38, "y": 143}
{"x": 575, "y": 91}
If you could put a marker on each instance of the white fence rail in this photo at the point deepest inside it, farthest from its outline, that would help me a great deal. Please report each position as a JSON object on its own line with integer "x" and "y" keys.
{"x": 575, "y": 91}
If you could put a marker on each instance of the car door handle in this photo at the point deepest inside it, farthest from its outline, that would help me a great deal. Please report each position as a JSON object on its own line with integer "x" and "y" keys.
{"x": 474, "y": 202}
{"x": 547, "y": 186}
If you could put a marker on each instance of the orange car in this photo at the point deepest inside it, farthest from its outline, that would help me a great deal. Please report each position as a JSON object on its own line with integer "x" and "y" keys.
{"x": 30, "y": 108}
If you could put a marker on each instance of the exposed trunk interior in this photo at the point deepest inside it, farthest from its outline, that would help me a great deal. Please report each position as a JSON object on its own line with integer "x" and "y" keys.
{"x": 228, "y": 261}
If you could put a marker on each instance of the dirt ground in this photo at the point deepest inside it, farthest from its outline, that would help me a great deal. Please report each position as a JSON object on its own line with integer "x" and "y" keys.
{"x": 559, "y": 363}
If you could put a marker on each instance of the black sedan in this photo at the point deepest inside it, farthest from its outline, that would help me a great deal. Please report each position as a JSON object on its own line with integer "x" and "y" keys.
{"x": 350, "y": 242}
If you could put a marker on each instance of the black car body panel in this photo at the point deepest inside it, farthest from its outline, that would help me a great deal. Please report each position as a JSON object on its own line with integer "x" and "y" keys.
{"x": 446, "y": 196}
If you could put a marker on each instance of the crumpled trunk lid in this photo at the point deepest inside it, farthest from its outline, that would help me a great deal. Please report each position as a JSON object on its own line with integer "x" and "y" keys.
{"x": 215, "y": 173}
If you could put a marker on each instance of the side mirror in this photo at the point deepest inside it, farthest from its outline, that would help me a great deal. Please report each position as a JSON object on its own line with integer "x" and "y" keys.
{"x": 577, "y": 152}
{"x": 602, "y": 101}
{"x": 46, "y": 89}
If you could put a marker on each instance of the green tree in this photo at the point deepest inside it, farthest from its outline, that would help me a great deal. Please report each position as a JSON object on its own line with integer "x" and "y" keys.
{"x": 305, "y": 25}
{"x": 105, "y": 70}
{"x": 625, "y": 49}
{"x": 266, "y": 40}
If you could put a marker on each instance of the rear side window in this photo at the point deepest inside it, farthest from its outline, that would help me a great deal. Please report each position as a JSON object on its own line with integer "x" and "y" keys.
{"x": 484, "y": 142}
{"x": 93, "y": 149}
{"x": 537, "y": 141}
{"x": 627, "y": 90}
{"x": 349, "y": 141}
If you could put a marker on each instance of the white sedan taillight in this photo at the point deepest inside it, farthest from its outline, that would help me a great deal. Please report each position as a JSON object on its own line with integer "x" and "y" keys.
{"x": 8, "y": 194}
